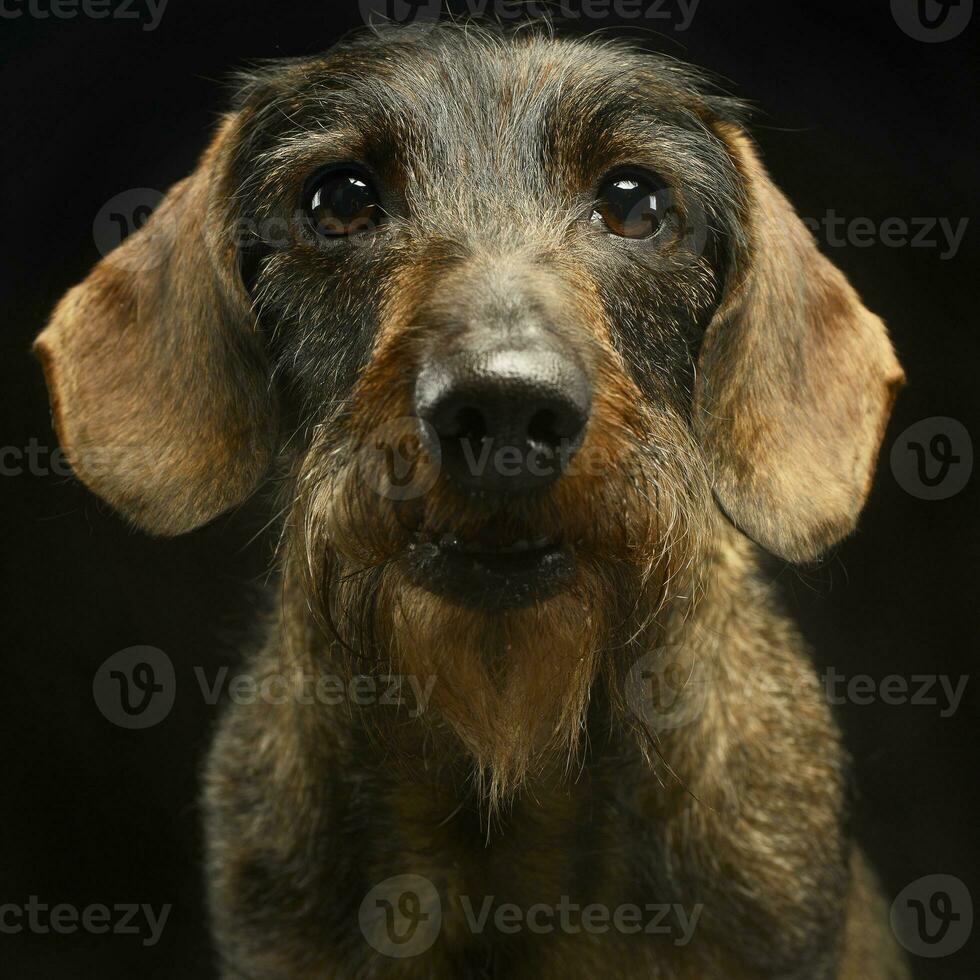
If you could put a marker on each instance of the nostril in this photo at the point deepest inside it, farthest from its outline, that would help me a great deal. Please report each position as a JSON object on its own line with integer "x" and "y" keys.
{"x": 556, "y": 425}
{"x": 469, "y": 423}
{"x": 543, "y": 428}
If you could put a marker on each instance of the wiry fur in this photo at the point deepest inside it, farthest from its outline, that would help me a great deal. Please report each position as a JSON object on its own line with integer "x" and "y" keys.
{"x": 719, "y": 390}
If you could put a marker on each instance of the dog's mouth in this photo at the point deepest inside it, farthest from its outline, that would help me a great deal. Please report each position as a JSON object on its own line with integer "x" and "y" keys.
{"x": 491, "y": 568}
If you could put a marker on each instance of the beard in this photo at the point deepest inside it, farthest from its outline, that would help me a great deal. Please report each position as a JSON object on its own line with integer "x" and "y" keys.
{"x": 510, "y": 686}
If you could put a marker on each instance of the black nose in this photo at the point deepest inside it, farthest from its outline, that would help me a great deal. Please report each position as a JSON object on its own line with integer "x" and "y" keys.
{"x": 506, "y": 421}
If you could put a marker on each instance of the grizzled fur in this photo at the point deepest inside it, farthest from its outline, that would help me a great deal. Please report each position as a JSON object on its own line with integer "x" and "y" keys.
{"x": 739, "y": 395}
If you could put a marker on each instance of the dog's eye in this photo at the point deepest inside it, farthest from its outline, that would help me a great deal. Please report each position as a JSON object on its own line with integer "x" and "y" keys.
{"x": 343, "y": 202}
{"x": 630, "y": 205}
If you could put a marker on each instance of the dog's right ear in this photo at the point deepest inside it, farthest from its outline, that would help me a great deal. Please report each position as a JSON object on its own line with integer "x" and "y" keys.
{"x": 157, "y": 383}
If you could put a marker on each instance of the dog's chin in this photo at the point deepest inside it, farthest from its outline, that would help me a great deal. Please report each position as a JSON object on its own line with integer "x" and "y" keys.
{"x": 490, "y": 574}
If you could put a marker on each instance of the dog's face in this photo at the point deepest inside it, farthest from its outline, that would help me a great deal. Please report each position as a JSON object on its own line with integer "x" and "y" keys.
{"x": 519, "y": 319}
{"x": 491, "y": 299}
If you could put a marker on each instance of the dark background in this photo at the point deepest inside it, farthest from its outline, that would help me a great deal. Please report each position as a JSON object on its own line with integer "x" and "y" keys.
{"x": 853, "y": 115}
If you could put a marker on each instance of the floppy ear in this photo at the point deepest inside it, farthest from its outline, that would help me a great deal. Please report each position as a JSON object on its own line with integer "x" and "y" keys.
{"x": 157, "y": 383}
{"x": 796, "y": 382}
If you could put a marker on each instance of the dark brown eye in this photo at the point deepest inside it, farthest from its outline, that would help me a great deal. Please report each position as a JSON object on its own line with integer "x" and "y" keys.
{"x": 343, "y": 202}
{"x": 630, "y": 205}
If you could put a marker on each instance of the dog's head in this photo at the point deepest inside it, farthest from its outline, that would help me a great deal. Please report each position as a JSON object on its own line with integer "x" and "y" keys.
{"x": 518, "y": 318}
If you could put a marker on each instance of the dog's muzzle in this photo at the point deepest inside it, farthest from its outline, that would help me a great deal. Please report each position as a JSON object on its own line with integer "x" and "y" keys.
{"x": 507, "y": 421}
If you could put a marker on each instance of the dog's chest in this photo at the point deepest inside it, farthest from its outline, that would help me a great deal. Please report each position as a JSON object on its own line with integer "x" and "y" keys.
{"x": 560, "y": 883}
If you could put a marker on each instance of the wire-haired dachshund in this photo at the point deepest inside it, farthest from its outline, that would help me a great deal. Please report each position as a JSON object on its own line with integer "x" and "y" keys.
{"x": 536, "y": 363}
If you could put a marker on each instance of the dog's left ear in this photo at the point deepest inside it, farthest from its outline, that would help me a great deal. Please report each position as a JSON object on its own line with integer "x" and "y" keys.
{"x": 157, "y": 383}
{"x": 796, "y": 382}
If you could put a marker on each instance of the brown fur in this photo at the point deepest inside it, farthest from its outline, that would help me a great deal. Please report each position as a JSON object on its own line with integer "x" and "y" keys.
{"x": 165, "y": 313}
{"x": 743, "y": 381}
{"x": 792, "y": 363}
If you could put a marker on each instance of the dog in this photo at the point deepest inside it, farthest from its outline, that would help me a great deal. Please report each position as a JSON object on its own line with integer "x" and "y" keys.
{"x": 537, "y": 366}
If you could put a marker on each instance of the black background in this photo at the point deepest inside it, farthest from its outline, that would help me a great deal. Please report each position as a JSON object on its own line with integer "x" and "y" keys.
{"x": 853, "y": 115}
